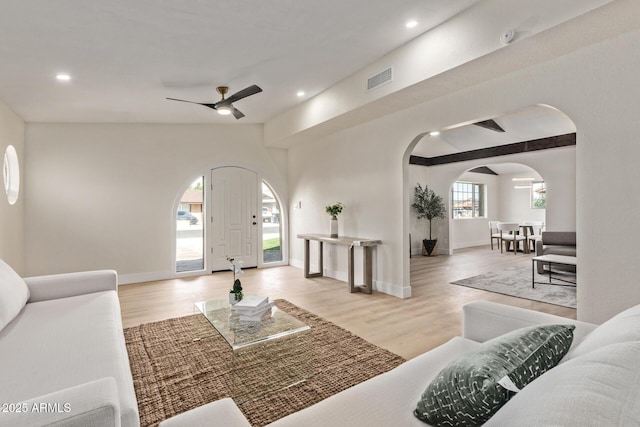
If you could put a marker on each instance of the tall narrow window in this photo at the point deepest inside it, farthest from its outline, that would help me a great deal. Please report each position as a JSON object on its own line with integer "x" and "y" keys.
{"x": 190, "y": 229}
{"x": 538, "y": 195}
{"x": 467, "y": 200}
{"x": 271, "y": 226}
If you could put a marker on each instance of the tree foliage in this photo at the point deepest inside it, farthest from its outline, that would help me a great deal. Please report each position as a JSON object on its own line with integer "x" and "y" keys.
{"x": 428, "y": 204}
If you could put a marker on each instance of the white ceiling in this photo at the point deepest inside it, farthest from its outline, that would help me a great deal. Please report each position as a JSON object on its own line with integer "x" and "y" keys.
{"x": 125, "y": 57}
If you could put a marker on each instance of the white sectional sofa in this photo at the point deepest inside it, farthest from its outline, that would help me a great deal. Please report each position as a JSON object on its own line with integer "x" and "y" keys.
{"x": 63, "y": 358}
{"x": 596, "y": 383}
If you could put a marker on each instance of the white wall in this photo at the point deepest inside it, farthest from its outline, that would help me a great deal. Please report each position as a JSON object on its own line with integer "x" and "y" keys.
{"x": 515, "y": 203}
{"x": 591, "y": 85}
{"x": 12, "y": 216}
{"x": 360, "y": 168}
{"x": 102, "y": 195}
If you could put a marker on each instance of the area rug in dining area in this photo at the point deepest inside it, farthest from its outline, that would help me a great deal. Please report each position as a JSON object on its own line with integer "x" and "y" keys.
{"x": 516, "y": 281}
{"x": 172, "y": 373}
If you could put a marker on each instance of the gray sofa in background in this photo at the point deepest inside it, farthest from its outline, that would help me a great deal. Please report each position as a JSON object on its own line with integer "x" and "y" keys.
{"x": 556, "y": 243}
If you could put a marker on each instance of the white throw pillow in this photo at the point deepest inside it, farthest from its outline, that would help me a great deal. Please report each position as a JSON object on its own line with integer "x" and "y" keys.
{"x": 14, "y": 294}
{"x": 622, "y": 327}
{"x": 597, "y": 389}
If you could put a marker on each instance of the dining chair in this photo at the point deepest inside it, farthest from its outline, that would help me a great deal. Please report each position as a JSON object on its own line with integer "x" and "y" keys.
{"x": 494, "y": 233}
{"x": 509, "y": 233}
{"x": 535, "y": 232}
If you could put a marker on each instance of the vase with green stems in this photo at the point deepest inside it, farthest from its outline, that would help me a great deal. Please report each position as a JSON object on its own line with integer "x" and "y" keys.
{"x": 334, "y": 210}
{"x": 235, "y": 294}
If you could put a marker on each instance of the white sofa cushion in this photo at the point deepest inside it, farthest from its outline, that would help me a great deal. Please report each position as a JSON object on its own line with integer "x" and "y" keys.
{"x": 597, "y": 389}
{"x": 14, "y": 294}
{"x": 622, "y": 327}
{"x": 62, "y": 343}
{"x": 386, "y": 400}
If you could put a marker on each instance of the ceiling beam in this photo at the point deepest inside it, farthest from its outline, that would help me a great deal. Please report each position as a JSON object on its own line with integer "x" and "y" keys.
{"x": 483, "y": 169}
{"x": 500, "y": 150}
{"x": 490, "y": 124}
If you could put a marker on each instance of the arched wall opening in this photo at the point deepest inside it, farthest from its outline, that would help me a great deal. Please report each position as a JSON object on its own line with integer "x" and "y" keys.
{"x": 556, "y": 166}
{"x": 506, "y": 192}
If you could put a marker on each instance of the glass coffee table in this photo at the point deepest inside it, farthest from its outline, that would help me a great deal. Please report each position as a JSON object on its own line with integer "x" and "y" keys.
{"x": 268, "y": 355}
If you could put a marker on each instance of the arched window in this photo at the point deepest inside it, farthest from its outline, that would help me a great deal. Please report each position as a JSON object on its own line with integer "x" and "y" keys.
{"x": 271, "y": 226}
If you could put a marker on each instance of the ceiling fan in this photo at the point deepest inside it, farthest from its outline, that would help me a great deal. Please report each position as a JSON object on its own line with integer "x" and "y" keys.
{"x": 225, "y": 106}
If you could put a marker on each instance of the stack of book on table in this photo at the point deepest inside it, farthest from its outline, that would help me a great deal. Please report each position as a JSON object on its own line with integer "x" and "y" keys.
{"x": 253, "y": 308}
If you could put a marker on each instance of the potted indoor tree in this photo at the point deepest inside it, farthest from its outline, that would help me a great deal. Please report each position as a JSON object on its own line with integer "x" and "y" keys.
{"x": 430, "y": 206}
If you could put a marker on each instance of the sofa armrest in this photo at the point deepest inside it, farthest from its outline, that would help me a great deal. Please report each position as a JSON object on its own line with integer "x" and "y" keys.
{"x": 93, "y": 404}
{"x": 539, "y": 247}
{"x": 65, "y": 285}
{"x": 484, "y": 320}
{"x": 222, "y": 412}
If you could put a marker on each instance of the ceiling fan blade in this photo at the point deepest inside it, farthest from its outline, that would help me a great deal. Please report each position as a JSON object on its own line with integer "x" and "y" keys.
{"x": 237, "y": 113}
{"x": 193, "y": 102}
{"x": 248, "y": 91}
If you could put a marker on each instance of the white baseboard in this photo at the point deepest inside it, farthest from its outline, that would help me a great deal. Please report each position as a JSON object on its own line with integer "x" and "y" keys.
{"x": 296, "y": 263}
{"x": 393, "y": 290}
{"x": 387, "y": 288}
{"x": 127, "y": 279}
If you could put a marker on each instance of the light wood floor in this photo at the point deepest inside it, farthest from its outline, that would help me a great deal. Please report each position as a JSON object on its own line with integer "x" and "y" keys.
{"x": 407, "y": 327}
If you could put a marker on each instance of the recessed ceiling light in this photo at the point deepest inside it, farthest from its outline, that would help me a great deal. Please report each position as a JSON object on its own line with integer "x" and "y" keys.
{"x": 63, "y": 77}
{"x": 300, "y": 93}
{"x": 434, "y": 133}
{"x": 411, "y": 24}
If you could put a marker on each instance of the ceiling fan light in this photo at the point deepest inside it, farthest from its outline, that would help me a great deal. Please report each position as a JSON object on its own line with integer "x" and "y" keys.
{"x": 224, "y": 110}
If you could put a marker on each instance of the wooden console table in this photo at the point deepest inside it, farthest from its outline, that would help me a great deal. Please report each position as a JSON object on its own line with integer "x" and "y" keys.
{"x": 351, "y": 242}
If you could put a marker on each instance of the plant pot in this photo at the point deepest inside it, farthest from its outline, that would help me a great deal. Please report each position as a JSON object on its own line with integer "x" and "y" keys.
{"x": 429, "y": 247}
{"x": 233, "y": 298}
{"x": 333, "y": 227}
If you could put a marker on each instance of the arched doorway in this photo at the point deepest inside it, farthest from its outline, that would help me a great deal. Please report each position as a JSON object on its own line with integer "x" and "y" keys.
{"x": 546, "y": 138}
{"x": 493, "y": 192}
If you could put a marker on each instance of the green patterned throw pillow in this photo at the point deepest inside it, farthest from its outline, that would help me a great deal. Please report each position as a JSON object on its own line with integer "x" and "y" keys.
{"x": 474, "y": 387}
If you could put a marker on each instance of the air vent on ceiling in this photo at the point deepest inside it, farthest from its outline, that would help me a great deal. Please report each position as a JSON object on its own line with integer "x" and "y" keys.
{"x": 380, "y": 79}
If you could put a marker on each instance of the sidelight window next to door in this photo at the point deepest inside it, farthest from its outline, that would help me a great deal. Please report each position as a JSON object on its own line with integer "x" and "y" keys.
{"x": 271, "y": 226}
{"x": 190, "y": 228}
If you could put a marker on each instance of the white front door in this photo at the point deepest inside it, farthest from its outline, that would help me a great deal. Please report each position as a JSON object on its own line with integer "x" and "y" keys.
{"x": 234, "y": 219}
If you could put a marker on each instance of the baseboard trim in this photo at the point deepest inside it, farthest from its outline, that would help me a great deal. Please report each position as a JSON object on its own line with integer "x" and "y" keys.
{"x": 393, "y": 290}
{"x": 386, "y": 288}
{"x": 128, "y": 279}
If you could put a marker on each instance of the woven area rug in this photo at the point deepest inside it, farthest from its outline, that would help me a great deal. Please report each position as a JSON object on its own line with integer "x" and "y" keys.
{"x": 516, "y": 281}
{"x": 172, "y": 373}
